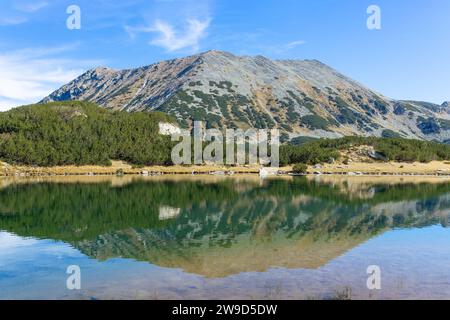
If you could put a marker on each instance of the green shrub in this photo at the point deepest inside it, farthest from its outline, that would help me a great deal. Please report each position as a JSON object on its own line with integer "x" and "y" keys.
{"x": 300, "y": 168}
{"x": 314, "y": 122}
{"x": 396, "y": 149}
{"x": 297, "y": 141}
{"x": 387, "y": 133}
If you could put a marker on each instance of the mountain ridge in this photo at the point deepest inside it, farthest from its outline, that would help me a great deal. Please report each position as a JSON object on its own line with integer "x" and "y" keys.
{"x": 299, "y": 97}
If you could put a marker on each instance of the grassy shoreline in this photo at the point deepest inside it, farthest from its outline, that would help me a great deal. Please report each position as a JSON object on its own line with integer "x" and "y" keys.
{"x": 433, "y": 168}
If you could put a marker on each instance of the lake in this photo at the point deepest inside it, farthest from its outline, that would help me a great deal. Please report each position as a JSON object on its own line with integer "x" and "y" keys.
{"x": 212, "y": 237}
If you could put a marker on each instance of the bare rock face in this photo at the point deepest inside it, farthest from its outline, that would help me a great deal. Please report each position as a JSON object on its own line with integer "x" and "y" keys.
{"x": 377, "y": 156}
{"x": 299, "y": 97}
{"x": 168, "y": 129}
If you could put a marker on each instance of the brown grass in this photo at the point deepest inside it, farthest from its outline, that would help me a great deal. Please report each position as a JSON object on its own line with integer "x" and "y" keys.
{"x": 119, "y": 167}
{"x": 441, "y": 168}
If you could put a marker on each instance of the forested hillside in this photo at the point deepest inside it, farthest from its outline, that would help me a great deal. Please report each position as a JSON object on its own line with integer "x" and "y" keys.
{"x": 386, "y": 149}
{"x": 81, "y": 133}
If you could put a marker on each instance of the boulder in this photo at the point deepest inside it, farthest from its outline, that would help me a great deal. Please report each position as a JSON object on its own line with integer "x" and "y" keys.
{"x": 377, "y": 156}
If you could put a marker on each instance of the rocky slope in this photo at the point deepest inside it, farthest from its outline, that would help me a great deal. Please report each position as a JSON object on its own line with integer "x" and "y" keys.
{"x": 300, "y": 97}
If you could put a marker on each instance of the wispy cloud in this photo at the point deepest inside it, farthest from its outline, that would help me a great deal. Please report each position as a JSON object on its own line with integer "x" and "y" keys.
{"x": 172, "y": 39}
{"x": 294, "y": 44}
{"x": 19, "y": 12}
{"x": 30, "y": 74}
{"x": 281, "y": 49}
{"x": 12, "y": 21}
{"x": 31, "y": 6}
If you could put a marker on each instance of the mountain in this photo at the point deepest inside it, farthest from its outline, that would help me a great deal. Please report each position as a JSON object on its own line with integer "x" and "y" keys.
{"x": 300, "y": 97}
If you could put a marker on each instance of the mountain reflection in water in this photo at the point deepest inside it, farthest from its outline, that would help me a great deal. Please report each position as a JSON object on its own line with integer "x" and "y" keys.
{"x": 218, "y": 227}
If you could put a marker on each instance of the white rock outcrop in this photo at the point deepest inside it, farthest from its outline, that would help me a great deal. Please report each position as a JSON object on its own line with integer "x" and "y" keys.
{"x": 168, "y": 129}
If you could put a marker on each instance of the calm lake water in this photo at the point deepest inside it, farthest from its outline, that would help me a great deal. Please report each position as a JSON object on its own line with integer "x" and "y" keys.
{"x": 225, "y": 237}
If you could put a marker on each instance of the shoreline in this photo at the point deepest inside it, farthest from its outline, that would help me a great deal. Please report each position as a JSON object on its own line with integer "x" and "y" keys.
{"x": 119, "y": 168}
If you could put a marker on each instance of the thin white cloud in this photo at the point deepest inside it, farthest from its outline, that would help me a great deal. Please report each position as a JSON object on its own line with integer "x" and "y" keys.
{"x": 31, "y": 6}
{"x": 28, "y": 75}
{"x": 294, "y": 44}
{"x": 19, "y": 12}
{"x": 132, "y": 31}
{"x": 173, "y": 40}
{"x": 282, "y": 49}
{"x": 12, "y": 21}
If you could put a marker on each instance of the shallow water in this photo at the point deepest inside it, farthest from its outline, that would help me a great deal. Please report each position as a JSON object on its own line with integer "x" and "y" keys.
{"x": 225, "y": 237}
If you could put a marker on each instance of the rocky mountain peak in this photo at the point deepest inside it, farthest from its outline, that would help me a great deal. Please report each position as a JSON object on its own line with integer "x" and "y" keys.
{"x": 100, "y": 71}
{"x": 299, "y": 97}
{"x": 216, "y": 53}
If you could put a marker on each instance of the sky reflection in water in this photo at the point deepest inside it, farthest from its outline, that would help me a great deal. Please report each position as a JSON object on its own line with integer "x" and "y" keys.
{"x": 203, "y": 238}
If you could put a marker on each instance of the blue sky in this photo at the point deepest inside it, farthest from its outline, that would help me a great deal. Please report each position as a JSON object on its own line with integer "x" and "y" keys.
{"x": 407, "y": 59}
